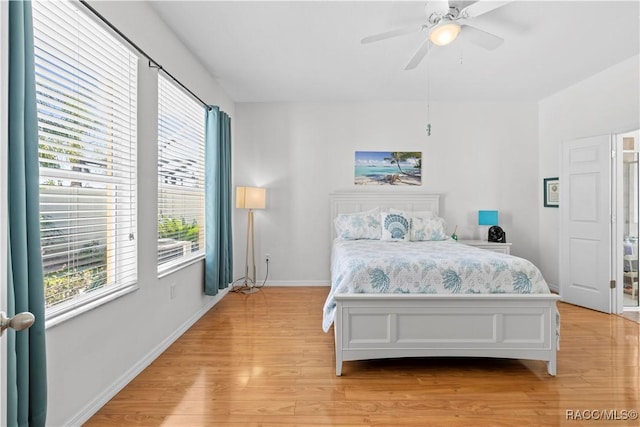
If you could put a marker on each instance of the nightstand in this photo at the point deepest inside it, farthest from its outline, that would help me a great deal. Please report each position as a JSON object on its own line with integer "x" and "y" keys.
{"x": 503, "y": 248}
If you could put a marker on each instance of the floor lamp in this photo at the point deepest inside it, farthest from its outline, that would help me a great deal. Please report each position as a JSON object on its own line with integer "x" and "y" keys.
{"x": 250, "y": 198}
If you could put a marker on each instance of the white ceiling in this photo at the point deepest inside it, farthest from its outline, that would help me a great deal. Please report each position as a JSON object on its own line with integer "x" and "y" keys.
{"x": 310, "y": 51}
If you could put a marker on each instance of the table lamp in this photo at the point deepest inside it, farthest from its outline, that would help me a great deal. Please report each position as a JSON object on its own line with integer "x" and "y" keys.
{"x": 490, "y": 218}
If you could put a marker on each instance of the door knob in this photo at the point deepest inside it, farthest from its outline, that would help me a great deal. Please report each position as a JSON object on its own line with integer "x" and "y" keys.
{"x": 18, "y": 322}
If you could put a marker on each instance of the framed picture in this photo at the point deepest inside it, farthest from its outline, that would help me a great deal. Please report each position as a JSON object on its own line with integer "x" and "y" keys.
{"x": 551, "y": 192}
{"x": 388, "y": 168}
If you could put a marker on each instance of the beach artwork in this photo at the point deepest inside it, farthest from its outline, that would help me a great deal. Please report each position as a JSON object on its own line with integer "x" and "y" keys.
{"x": 388, "y": 168}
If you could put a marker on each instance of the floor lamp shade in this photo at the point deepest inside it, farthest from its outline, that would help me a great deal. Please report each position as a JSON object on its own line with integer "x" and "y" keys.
{"x": 251, "y": 197}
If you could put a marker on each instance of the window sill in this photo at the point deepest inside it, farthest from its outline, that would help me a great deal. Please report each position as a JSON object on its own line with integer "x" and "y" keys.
{"x": 172, "y": 267}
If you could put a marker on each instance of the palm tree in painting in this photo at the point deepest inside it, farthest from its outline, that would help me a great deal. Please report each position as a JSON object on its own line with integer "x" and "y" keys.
{"x": 401, "y": 156}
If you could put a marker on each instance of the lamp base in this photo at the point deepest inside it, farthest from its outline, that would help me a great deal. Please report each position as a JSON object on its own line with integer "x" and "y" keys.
{"x": 248, "y": 287}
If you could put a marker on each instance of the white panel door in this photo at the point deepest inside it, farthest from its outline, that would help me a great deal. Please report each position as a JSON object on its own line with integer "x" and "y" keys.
{"x": 585, "y": 223}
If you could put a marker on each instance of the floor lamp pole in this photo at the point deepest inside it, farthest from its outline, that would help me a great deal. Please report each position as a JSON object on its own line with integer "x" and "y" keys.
{"x": 250, "y": 282}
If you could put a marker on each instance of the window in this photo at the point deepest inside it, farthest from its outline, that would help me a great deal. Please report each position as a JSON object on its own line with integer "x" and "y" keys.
{"x": 180, "y": 176}
{"x": 86, "y": 98}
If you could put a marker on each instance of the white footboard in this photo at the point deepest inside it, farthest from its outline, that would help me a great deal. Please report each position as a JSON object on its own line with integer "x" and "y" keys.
{"x": 377, "y": 326}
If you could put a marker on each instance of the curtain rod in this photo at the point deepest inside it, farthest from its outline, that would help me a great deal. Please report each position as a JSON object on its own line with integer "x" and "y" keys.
{"x": 142, "y": 52}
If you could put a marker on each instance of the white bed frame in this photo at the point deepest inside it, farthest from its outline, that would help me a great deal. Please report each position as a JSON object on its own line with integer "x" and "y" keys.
{"x": 379, "y": 326}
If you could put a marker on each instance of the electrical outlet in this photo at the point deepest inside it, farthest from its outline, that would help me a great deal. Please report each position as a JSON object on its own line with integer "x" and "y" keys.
{"x": 172, "y": 290}
{"x": 267, "y": 258}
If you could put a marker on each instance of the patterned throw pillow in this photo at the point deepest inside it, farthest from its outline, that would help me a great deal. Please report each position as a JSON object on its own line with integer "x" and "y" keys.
{"x": 361, "y": 225}
{"x": 395, "y": 227}
{"x": 427, "y": 229}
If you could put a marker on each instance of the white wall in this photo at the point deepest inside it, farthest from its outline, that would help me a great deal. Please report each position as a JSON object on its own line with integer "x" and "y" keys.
{"x": 479, "y": 156}
{"x": 605, "y": 103}
{"x": 92, "y": 355}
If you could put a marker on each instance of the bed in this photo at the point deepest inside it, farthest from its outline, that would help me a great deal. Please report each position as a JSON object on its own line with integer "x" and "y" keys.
{"x": 405, "y": 318}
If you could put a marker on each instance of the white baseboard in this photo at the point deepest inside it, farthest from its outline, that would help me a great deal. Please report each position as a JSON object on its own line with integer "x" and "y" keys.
{"x": 554, "y": 288}
{"x": 88, "y": 411}
{"x": 300, "y": 283}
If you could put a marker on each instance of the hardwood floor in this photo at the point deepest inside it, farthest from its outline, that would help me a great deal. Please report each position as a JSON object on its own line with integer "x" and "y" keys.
{"x": 632, "y": 315}
{"x": 263, "y": 360}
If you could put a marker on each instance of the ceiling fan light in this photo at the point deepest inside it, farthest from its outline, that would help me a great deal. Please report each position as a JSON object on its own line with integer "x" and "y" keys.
{"x": 444, "y": 33}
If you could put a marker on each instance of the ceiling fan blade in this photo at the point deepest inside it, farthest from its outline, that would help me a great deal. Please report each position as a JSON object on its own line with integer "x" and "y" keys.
{"x": 480, "y": 37}
{"x": 440, "y": 7}
{"x": 419, "y": 56}
{"x": 481, "y": 7}
{"x": 390, "y": 34}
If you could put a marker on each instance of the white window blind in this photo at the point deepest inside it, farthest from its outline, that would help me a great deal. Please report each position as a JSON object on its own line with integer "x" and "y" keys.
{"x": 180, "y": 176}
{"x": 86, "y": 99}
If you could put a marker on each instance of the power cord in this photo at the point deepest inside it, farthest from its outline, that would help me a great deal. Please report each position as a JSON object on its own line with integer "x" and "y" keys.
{"x": 265, "y": 276}
{"x": 244, "y": 287}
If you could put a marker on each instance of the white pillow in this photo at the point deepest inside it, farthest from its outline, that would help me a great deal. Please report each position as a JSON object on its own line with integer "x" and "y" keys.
{"x": 395, "y": 227}
{"x": 360, "y": 225}
{"x": 423, "y": 228}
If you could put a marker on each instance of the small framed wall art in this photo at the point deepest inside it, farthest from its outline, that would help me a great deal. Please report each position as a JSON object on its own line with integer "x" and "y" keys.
{"x": 551, "y": 192}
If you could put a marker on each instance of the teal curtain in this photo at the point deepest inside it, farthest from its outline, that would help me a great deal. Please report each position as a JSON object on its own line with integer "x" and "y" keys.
{"x": 26, "y": 356}
{"x": 219, "y": 245}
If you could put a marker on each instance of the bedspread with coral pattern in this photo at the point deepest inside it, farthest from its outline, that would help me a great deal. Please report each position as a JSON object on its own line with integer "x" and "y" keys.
{"x": 442, "y": 267}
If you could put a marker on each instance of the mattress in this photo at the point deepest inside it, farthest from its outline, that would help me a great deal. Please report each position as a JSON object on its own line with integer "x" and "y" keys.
{"x": 426, "y": 267}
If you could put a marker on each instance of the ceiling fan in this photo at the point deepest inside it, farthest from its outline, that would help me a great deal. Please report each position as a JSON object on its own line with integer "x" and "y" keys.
{"x": 445, "y": 21}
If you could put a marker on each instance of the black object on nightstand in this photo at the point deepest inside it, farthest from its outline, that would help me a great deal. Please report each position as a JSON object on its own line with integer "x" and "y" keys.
{"x": 497, "y": 234}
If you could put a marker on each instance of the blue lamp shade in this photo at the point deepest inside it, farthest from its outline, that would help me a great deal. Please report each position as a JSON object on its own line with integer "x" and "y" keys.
{"x": 487, "y": 217}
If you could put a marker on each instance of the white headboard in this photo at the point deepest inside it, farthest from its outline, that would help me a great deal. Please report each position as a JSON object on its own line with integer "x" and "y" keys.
{"x": 349, "y": 202}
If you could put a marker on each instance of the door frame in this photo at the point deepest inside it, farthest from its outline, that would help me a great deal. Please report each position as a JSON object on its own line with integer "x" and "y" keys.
{"x": 4, "y": 103}
{"x": 617, "y": 222}
{"x": 618, "y": 192}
